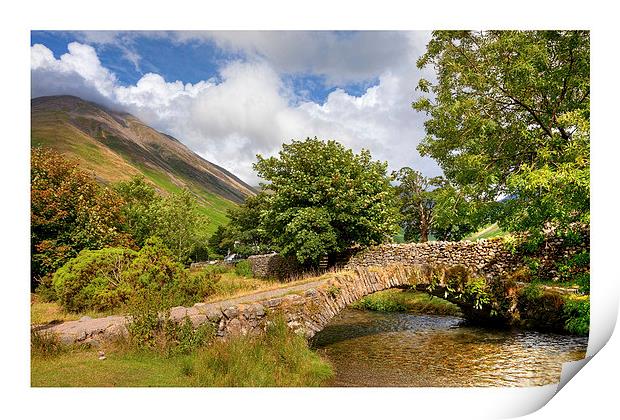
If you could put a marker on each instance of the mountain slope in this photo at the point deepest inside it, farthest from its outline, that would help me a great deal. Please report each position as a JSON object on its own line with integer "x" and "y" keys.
{"x": 116, "y": 146}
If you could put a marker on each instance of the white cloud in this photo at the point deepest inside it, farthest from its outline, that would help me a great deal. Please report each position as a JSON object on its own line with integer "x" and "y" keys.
{"x": 251, "y": 110}
{"x": 340, "y": 57}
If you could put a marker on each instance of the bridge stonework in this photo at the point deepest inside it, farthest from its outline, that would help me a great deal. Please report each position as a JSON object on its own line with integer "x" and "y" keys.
{"x": 440, "y": 268}
{"x": 309, "y": 312}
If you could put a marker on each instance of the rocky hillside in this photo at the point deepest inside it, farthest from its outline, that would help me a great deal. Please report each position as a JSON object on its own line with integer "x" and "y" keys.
{"x": 115, "y": 146}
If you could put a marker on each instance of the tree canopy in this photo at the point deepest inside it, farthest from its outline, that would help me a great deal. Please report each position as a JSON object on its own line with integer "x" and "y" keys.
{"x": 69, "y": 212}
{"x": 509, "y": 122}
{"x": 323, "y": 199}
{"x": 431, "y": 206}
{"x": 175, "y": 218}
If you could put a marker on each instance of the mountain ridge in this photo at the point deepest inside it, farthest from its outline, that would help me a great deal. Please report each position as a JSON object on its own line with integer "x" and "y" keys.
{"x": 115, "y": 145}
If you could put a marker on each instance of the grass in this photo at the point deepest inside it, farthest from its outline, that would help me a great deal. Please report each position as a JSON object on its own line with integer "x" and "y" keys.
{"x": 491, "y": 231}
{"x": 396, "y": 300}
{"x": 277, "y": 358}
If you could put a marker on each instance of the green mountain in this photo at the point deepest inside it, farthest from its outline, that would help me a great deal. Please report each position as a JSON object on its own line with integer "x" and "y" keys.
{"x": 116, "y": 146}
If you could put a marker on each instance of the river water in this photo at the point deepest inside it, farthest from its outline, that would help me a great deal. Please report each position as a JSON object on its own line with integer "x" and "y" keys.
{"x": 398, "y": 349}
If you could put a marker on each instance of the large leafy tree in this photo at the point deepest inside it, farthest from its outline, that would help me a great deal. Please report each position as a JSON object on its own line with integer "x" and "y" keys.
{"x": 416, "y": 193}
{"x": 324, "y": 199}
{"x": 509, "y": 122}
{"x": 69, "y": 212}
{"x": 431, "y": 206}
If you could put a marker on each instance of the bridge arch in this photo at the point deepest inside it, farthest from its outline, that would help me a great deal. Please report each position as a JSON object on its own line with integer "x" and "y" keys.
{"x": 311, "y": 311}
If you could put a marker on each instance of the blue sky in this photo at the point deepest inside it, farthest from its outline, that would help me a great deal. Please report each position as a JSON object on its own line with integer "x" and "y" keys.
{"x": 189, "y": 62}
{"x": 229, "y": 95}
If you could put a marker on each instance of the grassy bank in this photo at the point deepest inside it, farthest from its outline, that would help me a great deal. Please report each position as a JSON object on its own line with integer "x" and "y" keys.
{"x": 278, "y": 358}
{"x": 396, "y": 300}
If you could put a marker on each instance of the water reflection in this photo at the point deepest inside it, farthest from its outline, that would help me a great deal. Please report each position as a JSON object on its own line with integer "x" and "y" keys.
{"x": 398, "y": 349}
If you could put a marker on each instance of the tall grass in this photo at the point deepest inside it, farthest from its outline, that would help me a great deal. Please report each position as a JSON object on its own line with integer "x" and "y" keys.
{"x": 277, "y": 358}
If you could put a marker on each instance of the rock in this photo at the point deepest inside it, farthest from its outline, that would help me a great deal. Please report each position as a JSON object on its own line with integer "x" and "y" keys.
{"x": 214, "y": 314}
{"x": 198, "y": 320}
{"x": 231, "y": 312}
{"x": 178, "y": 313}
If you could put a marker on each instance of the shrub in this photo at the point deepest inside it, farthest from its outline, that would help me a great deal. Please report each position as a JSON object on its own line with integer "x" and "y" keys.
{"x": 154, "y": 267}
{"x": 577, "y": 313}
{"x": 148, "y": 310}
{"x": 94, "y": 279}
{"x": 107, "y": 278}
{"x": 152, "y": 328}
{"x": 183, "y": 338}
{"x": 244, "y": 269}
{"x": 198, "y": 286}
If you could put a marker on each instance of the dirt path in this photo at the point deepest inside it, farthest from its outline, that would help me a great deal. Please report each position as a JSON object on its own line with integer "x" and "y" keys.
{"x": 264, "y": 295}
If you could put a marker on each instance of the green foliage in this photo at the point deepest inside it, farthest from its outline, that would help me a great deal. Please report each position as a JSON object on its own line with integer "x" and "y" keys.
{"x": 577, "y": 313}
{"x": 476, "y": 292}
{"x": 175, "y": 219}
{"x": 198, "y": 286}
{"x": 243, "y": 269}
{"x": 381, "y": 303}
{"x": 277, "y": 358}
{"x": 431, "y": 206}
{"x": 94, "y": 280}
{"x": 183, "y": 338}
{"x": 324, "y": 198}
{"x": 509, "y": 118}
{"x": 541, "y": 309}
{"x": 138, "y": 198}
{"x": 570, "y": 267}
{"x": 179, "y": 224}
{"x": 148, "y": 310}
{"x": 333, "y": 291}
{"x": 152, "y": 329}
{"x": 69, "y": 212}
{"x": 244, "y": 234}
{"x": 395, "y": 300}
{"x": 108, "y": 278}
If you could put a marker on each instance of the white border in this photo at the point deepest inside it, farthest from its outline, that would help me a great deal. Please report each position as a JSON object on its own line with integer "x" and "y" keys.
{"x": 593, "y": 385}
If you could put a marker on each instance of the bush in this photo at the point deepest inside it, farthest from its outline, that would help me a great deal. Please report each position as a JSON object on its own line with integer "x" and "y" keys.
{"x": 109, "y": 277}
{"x": 70, "y": 212}
{"x": 148, "y": 311}
{"x": 577, "y": 313}
{"x": 244, "y": 269}
{"x": 94, "y": 280}
{"x": 199, "y": 286}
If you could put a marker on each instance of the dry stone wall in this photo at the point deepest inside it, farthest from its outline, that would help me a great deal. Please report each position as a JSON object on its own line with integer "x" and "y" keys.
{"x": 273, "y": 266}
{"x": 489, "y": 256}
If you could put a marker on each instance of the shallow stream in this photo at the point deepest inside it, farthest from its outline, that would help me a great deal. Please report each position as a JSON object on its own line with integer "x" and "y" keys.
{"x": 398, "y": 349}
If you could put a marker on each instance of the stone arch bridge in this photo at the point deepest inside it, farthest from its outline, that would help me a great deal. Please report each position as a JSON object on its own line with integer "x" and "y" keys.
{"x": 474, "y": 275}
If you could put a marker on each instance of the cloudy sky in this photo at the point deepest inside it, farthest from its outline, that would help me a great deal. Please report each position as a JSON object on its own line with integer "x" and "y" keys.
{"x": 231, "y": 95}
